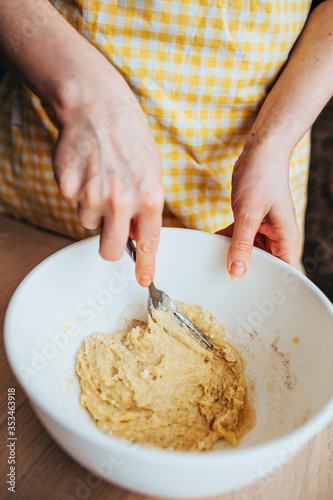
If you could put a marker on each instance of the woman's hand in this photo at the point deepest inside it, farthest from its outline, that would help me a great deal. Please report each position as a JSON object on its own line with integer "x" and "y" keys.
{"x": 262, "y": 205}
{"x": 107, "y": 165}
{"x": 261, "y": 200}
{"x": 106, "y": 161}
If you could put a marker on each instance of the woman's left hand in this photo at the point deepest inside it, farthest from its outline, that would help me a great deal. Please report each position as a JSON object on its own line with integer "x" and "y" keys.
{"x": 263, "y": 209}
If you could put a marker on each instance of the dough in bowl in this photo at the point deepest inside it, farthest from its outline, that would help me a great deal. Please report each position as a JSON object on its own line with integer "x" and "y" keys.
{"x": 157, "y": 386}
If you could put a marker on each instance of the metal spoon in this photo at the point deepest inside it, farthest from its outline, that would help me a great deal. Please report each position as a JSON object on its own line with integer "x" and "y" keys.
{"x": 157, "y": 299}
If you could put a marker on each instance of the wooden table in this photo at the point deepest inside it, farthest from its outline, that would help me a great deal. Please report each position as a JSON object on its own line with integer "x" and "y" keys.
{"x": 45, "y": 472}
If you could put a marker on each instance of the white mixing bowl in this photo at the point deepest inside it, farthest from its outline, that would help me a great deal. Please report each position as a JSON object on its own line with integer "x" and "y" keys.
{"x": 280, "y": 322}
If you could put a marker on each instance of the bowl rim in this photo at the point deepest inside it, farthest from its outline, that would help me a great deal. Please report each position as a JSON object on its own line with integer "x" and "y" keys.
{"x": 143, "y": 452}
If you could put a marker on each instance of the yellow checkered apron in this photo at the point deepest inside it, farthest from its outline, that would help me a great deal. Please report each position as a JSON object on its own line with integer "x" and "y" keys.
{"x": 200, "y": 70}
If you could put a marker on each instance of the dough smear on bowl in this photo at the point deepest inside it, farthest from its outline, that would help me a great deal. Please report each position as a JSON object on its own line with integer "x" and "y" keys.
{"x": 157, "y": 386}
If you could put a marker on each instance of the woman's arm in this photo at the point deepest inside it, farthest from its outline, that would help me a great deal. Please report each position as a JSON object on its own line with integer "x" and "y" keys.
{"x": 261, "y": 200}
{"x": 305, "y": 85}
{"x": 44, "y": 51}
{"x": 106, "y": 161}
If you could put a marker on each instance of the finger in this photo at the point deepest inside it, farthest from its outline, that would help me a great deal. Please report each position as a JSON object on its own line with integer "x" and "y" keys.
{"x": 90, "y": 218}
{"x": 69, "y": 169}
{"x": 246, "y": 227}
{"x": 147, "y": 239}
{"x": 284, "y": 240}
{"x": 148, "y": 228}
{"x": 260, "y": 241}
{"x": 90, "y": 207}
{"x": 114, "y": 235}
{"x": 76, "y": 159}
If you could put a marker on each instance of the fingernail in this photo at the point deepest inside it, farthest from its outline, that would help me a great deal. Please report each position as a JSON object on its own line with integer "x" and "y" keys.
{"x": 145, "y": 280}
{"x": 237, "y": 271}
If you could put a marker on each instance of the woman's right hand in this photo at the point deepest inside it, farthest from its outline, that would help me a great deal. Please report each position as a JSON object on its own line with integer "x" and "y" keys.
{"x": 108, "y": 166}
{"x": 105, "y": 160}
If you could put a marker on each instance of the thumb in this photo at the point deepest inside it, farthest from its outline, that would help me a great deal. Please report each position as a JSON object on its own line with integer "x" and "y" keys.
{"x": 245, "y": 230}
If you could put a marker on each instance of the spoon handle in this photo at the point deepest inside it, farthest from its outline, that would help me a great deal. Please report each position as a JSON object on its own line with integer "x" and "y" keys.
{"x": 131, "y": 249}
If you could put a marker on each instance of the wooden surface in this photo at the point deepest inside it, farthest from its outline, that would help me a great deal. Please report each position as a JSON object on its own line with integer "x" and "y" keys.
{"x": 44, "y": 471}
